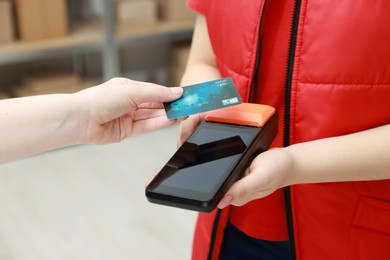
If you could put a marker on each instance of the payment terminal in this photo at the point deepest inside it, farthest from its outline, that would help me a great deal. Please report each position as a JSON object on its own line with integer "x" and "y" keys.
{"x": 216, "y": 155}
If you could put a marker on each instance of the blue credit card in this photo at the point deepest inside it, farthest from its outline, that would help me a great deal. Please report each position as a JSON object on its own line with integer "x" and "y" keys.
{"x": 204, "y": 97}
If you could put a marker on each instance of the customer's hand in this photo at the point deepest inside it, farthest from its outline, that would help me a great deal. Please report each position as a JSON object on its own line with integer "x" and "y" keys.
{"x": 121, "y": 107}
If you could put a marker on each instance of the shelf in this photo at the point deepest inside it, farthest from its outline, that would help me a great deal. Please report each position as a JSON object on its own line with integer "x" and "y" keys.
{"x": 90, "y": 37}
{"x": 84, "y": 36}
{"x": 163, "y": 30}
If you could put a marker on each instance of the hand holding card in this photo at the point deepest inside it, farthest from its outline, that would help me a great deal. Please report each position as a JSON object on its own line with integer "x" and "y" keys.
{"x": 204, "y": 97}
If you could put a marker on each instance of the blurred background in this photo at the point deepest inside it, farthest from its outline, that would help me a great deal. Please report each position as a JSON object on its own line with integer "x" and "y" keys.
{"x": 88, "y": 202}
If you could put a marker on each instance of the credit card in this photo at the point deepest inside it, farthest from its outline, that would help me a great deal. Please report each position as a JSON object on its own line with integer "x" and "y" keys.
{"x": 204, "y": 97}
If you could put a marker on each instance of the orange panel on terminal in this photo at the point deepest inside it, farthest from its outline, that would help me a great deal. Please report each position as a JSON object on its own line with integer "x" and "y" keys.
{"x": 248, "y": 114}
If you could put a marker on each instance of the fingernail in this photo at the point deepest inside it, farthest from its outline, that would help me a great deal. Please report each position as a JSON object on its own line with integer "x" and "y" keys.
{"x": 176, "y": 90}
{"x": 225, "y": 202}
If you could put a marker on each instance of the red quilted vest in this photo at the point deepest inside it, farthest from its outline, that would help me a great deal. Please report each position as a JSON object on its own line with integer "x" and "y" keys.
{"x": 325, "y": 67}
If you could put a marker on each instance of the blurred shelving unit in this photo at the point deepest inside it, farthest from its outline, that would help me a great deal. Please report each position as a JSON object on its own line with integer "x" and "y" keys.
{"x": 101, "y": 35}
{"x": 90, "y": 37}
{"x": 83, "y": 38}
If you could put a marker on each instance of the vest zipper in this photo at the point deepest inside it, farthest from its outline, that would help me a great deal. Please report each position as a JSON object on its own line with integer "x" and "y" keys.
{"x": 251, "y": 96}
{"x": 286, "y": 125}
{"x": 252, "y": 86}
{"x": 214, "y": 234}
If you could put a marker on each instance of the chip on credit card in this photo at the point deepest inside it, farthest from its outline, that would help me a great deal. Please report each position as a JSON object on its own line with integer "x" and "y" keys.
{"x": 204, "y": 97}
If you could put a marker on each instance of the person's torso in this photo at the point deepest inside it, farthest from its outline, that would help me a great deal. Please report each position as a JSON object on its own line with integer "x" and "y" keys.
{"x": 327, "y": 74}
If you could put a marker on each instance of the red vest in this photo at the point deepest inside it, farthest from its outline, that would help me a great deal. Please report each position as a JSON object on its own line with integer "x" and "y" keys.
{"x": 325, "y": 67}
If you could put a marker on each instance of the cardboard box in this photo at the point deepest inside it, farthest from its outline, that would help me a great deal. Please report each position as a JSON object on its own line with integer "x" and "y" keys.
{"x": 56, "y": 17}
{"x": 174, "y": 10}
{"x": 41, "y": 19}
{"x": 7, "y": 31}
{"x": 52, "y": 83}
{"x": 136, "y": 12}
{"x": 3, "y": 95}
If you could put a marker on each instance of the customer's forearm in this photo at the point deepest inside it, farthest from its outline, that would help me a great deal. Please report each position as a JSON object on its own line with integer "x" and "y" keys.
{"x": 36, "y": 124}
